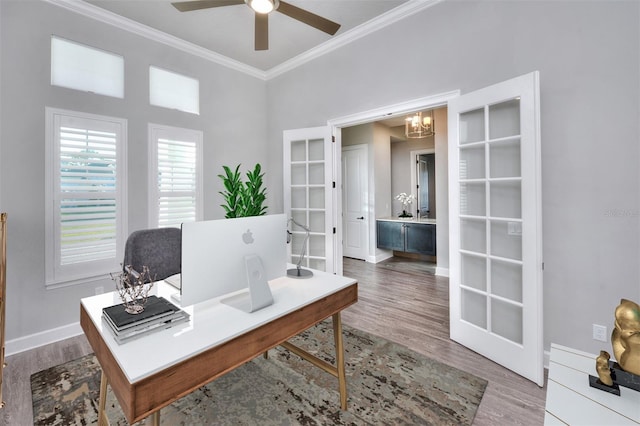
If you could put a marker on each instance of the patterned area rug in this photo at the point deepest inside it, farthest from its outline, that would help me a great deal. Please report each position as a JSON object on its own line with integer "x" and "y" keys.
{"x": 387, "y": 384}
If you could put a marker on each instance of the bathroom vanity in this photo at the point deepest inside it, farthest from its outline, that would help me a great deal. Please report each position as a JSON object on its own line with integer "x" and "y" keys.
{"x": 407, "y": 235}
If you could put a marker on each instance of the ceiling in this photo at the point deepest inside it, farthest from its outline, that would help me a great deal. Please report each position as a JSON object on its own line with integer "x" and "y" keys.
{"x": 229, "y": 30}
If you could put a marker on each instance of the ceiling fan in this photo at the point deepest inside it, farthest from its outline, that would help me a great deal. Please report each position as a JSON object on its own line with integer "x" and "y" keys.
{"x": 262, "y": 9}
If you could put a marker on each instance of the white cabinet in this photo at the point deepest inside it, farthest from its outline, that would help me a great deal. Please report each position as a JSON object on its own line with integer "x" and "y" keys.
{"x": 571, "y": 401}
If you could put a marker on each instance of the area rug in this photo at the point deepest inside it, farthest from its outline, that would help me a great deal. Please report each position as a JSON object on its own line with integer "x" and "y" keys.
{"x": 387, "y": 384}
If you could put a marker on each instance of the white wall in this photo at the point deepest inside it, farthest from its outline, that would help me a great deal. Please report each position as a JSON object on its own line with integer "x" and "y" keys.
{"x": 227, "y": 98}
{"x": 588, "y": 57}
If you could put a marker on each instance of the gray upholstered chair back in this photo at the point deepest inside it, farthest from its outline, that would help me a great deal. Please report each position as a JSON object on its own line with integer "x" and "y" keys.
{"x": 159, "y": 249}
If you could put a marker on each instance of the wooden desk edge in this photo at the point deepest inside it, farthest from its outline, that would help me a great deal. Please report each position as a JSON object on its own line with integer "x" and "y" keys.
{"x": 138, "y": 400}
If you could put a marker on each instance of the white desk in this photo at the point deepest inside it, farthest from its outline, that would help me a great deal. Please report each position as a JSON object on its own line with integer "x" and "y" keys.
{"x": 153, "y": 371}
{"x": 571, "y": 401}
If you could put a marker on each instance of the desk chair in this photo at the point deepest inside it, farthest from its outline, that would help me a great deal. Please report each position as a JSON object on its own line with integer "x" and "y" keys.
{"x": 159, "y": 249}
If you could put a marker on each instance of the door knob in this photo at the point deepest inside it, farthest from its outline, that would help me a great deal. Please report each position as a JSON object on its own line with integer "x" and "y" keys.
{"x": 360, "y": 218}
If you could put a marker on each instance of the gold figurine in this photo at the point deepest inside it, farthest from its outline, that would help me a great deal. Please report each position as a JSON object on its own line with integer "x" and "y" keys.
{"x": 602, "y": 367}
{"x": 625, "y": 338}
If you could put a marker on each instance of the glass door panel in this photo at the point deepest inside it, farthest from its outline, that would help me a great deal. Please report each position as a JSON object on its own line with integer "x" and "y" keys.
{"x": 505, "y": 199}
{"x": 473, "y": 199}
{"x": 316, "y": 221}
{"x": 472, "y": 126}
{"x": 473, "y": 235}
{"x": 472, "y": 164}
{"x": 474, "y": 308}
{"x": 298, "y": 174}
{"x": 474, "y": 272}
{"x": 504, "y": 159}
{"x": 316, "y": 197}
{"x": 316, "y": 150}
{"x": 299, "y": 198}
{"x": 504, "y": 119}
{"x": 316, "y": 174}
{"x": 506, "y": 280}
{"x": 506, "y": 320}
{"x": 506, "y": 239}
{"x": 298, "y": 151}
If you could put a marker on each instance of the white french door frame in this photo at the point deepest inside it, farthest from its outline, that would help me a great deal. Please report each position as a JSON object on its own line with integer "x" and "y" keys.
{"x": 377, "y": 114}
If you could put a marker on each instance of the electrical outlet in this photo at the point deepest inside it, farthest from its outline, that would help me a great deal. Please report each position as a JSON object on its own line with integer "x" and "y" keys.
{"x": 99, "y": 290}
{"x": 600, "y": 332}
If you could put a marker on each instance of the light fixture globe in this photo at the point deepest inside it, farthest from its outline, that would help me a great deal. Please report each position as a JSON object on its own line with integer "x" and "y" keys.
{"x": 263, "y": 6}
{"x": 417, "y": 126}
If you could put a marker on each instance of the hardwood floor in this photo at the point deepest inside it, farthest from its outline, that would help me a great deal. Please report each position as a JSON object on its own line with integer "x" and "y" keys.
{"x": 399, "y": 299}
{"x": 403, "y": 301}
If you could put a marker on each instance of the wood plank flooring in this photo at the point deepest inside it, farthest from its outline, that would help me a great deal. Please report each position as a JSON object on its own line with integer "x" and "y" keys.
{"x": 403, "y": 301}
{"x": 399, "y": 299}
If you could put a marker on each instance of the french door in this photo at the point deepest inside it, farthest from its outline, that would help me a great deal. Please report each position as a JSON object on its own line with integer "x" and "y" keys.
{"x": 308, "y": 195}
{"x": 495, "y": 224}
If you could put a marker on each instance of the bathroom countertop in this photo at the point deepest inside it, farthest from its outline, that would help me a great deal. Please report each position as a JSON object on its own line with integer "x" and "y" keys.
{"x": 411, "y": 219}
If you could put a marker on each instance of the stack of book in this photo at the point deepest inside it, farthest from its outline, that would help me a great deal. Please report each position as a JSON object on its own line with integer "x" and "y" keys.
{"x": 158, "y": 314}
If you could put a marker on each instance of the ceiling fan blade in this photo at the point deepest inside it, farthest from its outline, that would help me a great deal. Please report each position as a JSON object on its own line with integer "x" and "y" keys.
{"x": 308, "y": 18}
{"x": 262, "y": 31}
{"x": 188, "y": 6}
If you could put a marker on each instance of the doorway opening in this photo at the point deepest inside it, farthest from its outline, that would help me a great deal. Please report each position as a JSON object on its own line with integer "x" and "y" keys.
{"x": 381, "y": 200}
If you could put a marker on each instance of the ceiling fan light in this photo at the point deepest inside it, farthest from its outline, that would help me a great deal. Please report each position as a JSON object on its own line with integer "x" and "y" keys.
{"x": 262, "y": 6}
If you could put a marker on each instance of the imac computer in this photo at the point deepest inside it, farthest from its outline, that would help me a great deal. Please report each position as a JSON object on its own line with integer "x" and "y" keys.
{"x": 227, "y": 255}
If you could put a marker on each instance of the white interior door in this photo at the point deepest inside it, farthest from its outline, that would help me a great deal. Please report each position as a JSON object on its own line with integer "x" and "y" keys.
{"x": 495, "y": 224}
{"x": 355, "y": 201}
{"x": 308, "y": 197}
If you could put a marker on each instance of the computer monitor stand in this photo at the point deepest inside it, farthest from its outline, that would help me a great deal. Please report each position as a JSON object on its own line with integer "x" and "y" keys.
{"x": 259, "y": 294}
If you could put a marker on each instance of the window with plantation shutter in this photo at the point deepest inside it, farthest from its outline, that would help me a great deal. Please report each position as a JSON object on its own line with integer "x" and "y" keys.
{"x": 85, "y": 195}
{"x": 175, "y": 157}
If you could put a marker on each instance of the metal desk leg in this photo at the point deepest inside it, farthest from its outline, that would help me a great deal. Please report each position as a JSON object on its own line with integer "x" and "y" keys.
{"x": 155, "y": 418}
{"x": 342, "y": 381}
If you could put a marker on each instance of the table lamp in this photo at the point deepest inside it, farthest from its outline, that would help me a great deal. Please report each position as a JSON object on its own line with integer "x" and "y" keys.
{"x": 298, "y": 272}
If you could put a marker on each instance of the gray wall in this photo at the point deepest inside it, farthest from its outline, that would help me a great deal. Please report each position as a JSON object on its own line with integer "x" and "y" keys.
{"x": 588, "y": 57}
{"x": 587, "y": 54}
{"x": 227, "y": 98}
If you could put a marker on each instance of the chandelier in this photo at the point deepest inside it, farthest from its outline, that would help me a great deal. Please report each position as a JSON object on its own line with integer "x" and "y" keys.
{"x": 418, "y": 126}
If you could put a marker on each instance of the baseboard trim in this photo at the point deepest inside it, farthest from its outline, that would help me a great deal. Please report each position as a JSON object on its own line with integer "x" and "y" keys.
{"x": 443, "y": 272}
{"x": 36, "y": 340}
{"x": 380, "y": 257}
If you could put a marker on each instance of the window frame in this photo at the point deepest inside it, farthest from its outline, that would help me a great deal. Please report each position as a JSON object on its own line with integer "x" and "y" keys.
{"x": 171, "y": 132}
{"x": 56, "y": 274}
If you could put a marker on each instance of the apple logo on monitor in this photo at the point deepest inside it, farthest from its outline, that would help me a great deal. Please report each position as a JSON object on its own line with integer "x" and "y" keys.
{"x": 247, "y": 237}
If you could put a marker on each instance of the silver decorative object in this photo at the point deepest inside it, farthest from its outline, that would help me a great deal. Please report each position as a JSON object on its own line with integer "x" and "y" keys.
{"x": 133, "y": 288}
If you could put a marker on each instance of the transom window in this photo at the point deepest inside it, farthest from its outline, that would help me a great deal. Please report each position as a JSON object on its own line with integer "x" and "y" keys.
{"x": 80, "y": 67}
{"x": 175, "y": 91}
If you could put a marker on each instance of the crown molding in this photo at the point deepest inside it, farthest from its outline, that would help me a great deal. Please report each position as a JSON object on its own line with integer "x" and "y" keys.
{"x": 110, "y": 18}
{"x": 87, "y": 9}
{"x": 394, "y": 15}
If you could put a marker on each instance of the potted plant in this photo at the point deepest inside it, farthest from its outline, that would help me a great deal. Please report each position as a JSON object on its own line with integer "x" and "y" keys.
{"x": 405, "y": 199}
{"x": 243, "y": 198}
